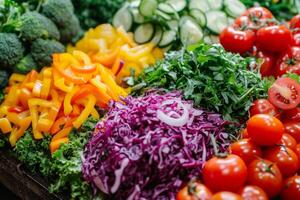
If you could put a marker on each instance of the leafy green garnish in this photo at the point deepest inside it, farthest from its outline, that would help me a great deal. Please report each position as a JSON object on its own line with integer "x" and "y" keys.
{"x": 63, "y": 168}
{"x": 213, "y": 78}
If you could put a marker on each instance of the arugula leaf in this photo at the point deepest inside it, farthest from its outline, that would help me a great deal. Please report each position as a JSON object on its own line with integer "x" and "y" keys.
{"x": 213, "y": 78}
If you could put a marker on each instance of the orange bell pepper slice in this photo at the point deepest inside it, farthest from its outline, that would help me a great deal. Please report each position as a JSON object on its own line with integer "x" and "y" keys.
{"x": 107, "y": 59}
{"x": 91, "y": 101}
{"x": 58, "y": 125}
{"x": 24, "y": 96}
{"x": 86, "y": 69}
{"x": 54, "y": 145}
{"x": 17, "y": 133}
{"x": 5, "y": 125}
{"x": 62, "y": 134}
{"x": 16, "y": 109}
{"x": 69, "y": 75}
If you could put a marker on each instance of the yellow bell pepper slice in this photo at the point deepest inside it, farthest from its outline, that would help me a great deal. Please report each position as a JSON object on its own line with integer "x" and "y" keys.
{"x": 62, "y": 134}
{"x": 91, "y": 101}
{"x": 68, "y": 108}
{"x": 5, "y": 125}
{"x": 16, "y": 79}
{"x": 54, "y": 145}
{"x": 46, "y": 85}
{"x": 17, "y": 133}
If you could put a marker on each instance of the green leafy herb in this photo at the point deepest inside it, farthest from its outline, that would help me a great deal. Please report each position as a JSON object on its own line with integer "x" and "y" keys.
{"x": 63, "y": 168}
{"x": 213, "y": 78}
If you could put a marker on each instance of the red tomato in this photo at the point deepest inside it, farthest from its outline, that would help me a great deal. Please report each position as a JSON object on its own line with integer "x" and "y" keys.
{"x": 274, "y": 38}
{"x": 291, "y": 188}
{"x": 266, "y": 175}
{"x": 263, "y": 106}
{"x": 237, "y": 41}
{"x": 244, "y": 134}
{"x": 290, "y": 115}
{"x": 297, "y": 150}
{"x": 258, "y": 12}
{"x": 285, "y": 93}
{"x": 243, "y": 21}
{"x": 286, "y": 160}
{"x": 251, "y": 192}
{"x": 288, "y": 141}
{"x": 194, "y": 191}
{"x": 264, "y": 129}
{"x": 226, "y": 196}
{"x": 225, "y": 174}
{"x": 293, "y": 128}
{"x": 296, "y": 40}
{"x": 295, "y": 24}
{"x": 268, "y": 62}
{"x": 246, "y": 150}
{"x": 288, "y": 61}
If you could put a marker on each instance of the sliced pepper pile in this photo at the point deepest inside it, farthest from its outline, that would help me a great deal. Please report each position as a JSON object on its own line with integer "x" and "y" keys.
{"x": 57, "y": 99}
{"x": 116, "y": 50}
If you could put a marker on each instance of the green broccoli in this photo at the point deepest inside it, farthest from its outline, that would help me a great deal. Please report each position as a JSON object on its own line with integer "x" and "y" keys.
{"x": 3, "y": 79}
{"x": 59, "y": 11}
{"x": 70, "y": 33}
{"x": 11, "y": 50}
{"x": 26, "y": 65}
{"x": 42, "y": 50}
{"x": 35, "y": 25}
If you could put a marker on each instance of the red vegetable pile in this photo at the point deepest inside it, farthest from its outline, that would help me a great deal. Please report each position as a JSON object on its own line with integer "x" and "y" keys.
{"x": 258, "y": 33}
{"x": 148, "y": 146}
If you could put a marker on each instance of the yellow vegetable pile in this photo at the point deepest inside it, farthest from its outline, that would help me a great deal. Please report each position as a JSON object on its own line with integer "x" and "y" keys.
{"x": 116, "y": 50}
{"x": 58, "y": 98}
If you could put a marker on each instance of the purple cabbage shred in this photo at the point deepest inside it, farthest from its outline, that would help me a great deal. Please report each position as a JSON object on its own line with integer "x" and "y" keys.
{"x": 134, "y": 155}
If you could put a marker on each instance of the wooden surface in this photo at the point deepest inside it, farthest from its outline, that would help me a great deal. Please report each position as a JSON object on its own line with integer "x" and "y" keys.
{"x": 23, "y": 184}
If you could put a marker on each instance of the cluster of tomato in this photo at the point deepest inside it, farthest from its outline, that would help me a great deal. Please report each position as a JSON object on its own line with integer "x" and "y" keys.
{"x": 265, "y": 162}
{"x": 258, "y": 33}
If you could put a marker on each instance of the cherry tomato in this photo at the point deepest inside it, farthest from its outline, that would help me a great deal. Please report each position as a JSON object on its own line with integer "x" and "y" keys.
{"x": 274, "y": 38}
{"x": 297, "y": 150}
{"x": 296, "y": 40}
{"x": 290, "y": 115}
{"x": 291, "y": 188}
{"x": 293, "y": 128}
{"x": 295, "y": 24}
{"x": 226, "y": 196}
{"x": 266, "y": 175}
{"x": 286, "y": 160}
{"x": 225, "y": 174}
{"x": 246, "y": 150}
{"x": 237, "y": 41}
{"x": 285, "y": 93}
{"x": 268, "y": 62}
{"x": 264, "y": 129}
{"x": 251, "y": 192}
{"x": 288, "y": 61}
{"x": 244, "y": 134}
{"x": 258, "y": 13}
{"x": 288, "y": 141}
{"x": 194, "y": 191}
{"x": 263, "y": 106}
{"x": 243, "y": 21}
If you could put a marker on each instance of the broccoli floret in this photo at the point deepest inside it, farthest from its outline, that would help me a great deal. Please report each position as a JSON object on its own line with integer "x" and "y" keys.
{"x": 42, "y": 50}
{"x": 26, "y": 65}
{"x": 59, "y": 11}
{"x": 35, "y": 25}
{"x": 3, "y": 79}
{"x": 71, "y": 31}
{"x": 11, "y": 50}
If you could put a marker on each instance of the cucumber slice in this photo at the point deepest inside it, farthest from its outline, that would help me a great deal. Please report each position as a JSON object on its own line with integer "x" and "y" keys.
{"x": 184, "y": 18}
{"x": 173, "y": 25}
{"x": 190, "y": 32}
{"x": 215, "y": 4}
{"x": 144, "y": 33}
{"x": 164, "y": 15}
{"x": 166, "y": 8}
{"x": 135, "y": 3}
{"x": 148, "y": 7}
{"x": 230, "y": 21}
{"x": 123, "y": 18}
{"x": 214, "y": 39}
{"x": 216, "y": 21}
{"x": 199, "y": 4}
{"x": 234, "y": 8}
{"x": 199, "y": 16}
{"x": 207, "y": 40}
{"x": 167, "y": 38}
{"x": 158, "y": 35}
{"x": 178, "y": 5}
{"x": 137, "y": 17}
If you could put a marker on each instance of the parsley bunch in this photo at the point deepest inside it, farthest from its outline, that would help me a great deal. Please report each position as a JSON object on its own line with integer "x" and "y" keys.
{"x": 213, "y": 78}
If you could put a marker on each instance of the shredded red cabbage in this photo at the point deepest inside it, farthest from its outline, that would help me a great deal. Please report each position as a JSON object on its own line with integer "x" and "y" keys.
{"x": 137, "y": 156}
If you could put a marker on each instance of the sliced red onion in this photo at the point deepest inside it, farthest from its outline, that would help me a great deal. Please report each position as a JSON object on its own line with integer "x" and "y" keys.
{"x": 181, "y": 121}
{"x": 118, "y": 174}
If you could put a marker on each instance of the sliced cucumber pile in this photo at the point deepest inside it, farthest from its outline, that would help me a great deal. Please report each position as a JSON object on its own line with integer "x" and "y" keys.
{"x": 165, "y": 21}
